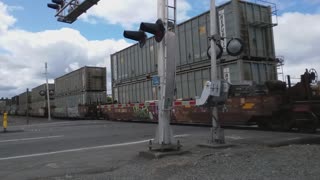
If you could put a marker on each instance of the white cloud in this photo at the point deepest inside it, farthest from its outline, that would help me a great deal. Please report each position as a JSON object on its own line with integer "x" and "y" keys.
{"x": 130, "y": 12}
{"x": 65, "y": 50}
{"x": 6, "y": 20}
{"x": 297, "y": 39}
{"x": 23, "y": 53}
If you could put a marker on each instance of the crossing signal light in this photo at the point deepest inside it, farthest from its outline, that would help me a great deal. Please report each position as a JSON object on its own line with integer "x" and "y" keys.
{"x": 139, "y": 36}
{"x": 235, "y": 47}
{"x": 157, "y": 29}
{"x": 58, "y": 4}
{"x": 219, "y": 51}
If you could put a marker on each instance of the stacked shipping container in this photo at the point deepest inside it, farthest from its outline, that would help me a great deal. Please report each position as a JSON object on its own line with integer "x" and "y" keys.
{"x": 77, "y": 91}
{"x": 24, "y": 103}
{"x": 2, "y": 105}
{"x": 236, "y": 19}
{"x": 39, "y": 105}
{"x": 14, "y": 105}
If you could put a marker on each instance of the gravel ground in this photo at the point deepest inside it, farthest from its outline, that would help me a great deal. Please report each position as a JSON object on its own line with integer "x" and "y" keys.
{"x": 240, "y": 162}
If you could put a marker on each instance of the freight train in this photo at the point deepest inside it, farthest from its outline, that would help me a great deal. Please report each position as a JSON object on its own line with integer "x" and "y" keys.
{"x": 269, "y": 103}
{"x": 73, "y": 95}
{"x": 274, "y": 105}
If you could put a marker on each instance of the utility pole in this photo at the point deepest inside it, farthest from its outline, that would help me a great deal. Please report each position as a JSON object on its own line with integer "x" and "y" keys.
{"x": 48, "y": 95}
{"x": 217, "y": 135}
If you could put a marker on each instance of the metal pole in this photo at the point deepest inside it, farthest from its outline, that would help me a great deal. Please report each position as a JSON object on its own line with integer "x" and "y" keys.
{"x": 164, "y": 132}
{"x": 48, "y": 96}
{"x": 27, "y": 105}
{"x": 217, "y": 133}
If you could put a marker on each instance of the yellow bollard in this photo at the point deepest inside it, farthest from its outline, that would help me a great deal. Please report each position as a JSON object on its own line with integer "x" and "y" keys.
{"x": 5, "y": 121}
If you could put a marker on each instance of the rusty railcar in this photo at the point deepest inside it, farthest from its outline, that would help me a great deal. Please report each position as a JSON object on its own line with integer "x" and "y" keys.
{"x": 272, "y": 106}
{"x": 237, "y": 111}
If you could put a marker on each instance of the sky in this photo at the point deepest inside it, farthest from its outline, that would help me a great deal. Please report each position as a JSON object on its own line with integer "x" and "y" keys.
{"x": 31, "y": 36}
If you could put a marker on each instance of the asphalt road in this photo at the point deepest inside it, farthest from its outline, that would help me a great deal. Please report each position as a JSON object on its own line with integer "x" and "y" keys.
{"x": 68, "y": 147}
{"x": 65, "y": 148}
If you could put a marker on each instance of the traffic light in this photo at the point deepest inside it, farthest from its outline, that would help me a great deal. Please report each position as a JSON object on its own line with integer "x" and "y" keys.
{"x": 157, "y": 29}
{"x": 137, "y": 36}
{"x": 58, "y": 4}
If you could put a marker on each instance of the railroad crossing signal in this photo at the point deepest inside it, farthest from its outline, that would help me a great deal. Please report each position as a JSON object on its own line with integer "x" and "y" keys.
{"x": 219, "y": 51}
{"x": 235, "y": 47}
{"x": 43, "y": 92}
{"x": 69, "y": 10}
{"x": 56, "y": 4}
{"x": 157, "y": 29}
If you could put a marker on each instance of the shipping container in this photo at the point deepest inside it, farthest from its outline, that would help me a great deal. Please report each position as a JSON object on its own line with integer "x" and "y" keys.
{"x": 24, "y": 103}
{"x": 39, "y": 106}
{"x": 14, "y": 105}
{"x": 35, "y": 93}
{"x": 8, "y": 105}
{"x": 2, "y": 106}
{"x": 189, "y": 84}
{"x": 81, "y": 80}
{"x": 78, "y": 105}
{"x": 235, "y": 19}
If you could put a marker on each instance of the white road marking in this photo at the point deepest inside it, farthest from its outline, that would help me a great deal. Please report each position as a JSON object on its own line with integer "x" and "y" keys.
{"x": 182, "y": 135}
{"x": 294, "y": 138}
{"x": 29, "y": 139}
{"x": 83, "y": 149}
{"x": 53, "y": 124}
{"x": 234, "y": 137}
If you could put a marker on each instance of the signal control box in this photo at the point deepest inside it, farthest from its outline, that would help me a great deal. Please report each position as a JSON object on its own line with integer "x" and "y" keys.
{"x": 214, "y": 93}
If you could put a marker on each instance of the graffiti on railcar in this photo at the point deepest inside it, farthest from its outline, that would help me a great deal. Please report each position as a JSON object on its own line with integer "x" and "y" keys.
{"x": 142, "y": 113}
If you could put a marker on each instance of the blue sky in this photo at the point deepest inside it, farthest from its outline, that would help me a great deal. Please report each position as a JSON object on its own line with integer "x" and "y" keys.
{"x": 30, "y": 36}
{"x": 35, "y": 16}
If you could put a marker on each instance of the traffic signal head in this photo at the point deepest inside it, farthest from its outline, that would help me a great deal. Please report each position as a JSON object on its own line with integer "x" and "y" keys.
{"x": 137, "y": 36}
{"x": 157, "y": 29}
{"x": 53, "y": 6}
{"x": 57, "y": 4}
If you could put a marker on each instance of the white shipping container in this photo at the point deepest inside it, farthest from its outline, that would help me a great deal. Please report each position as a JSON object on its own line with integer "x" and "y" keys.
{"x": 81, "y": 80}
